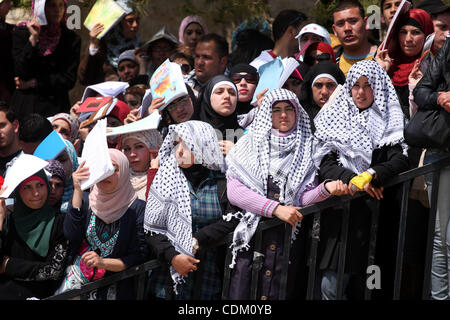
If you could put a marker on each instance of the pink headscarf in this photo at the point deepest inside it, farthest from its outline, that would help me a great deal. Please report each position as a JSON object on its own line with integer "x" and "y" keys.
{"x": 111, "y": 207}
{"x": 187, "y": 21}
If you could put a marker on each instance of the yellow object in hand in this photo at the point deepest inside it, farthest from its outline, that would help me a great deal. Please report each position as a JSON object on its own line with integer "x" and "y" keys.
{"x": 361, "y": 180}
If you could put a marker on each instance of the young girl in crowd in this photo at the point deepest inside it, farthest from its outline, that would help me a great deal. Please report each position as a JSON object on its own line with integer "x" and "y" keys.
{"x": 33, "y": 248}
{"x": 192, "y": 28}
{"x": 69, "y": 159}
{"x": 185, "y": 206}
{"x": 57, "y": 181}
{"x": 46, "y": 59}
{"x": 359, "y": 140}
{"x": 141, "y": 149}
{"x": 105, "y": 230}
{"x": 66, "y": 125}
{"x": 271, "y": 174}
{"x": 246, "y": 78}
{"x": 217, "y": 103}
{"x": 320, "y": 82}
{"x": 178, "y": 111}
{"x": 100, "y": 60}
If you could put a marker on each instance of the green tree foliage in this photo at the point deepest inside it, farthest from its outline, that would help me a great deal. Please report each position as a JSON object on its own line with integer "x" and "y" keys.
{"x": 226, "y": 12}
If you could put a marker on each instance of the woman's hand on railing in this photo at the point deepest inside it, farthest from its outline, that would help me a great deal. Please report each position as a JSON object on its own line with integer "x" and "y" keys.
{"x": 184, "y": 264}
{"x": 374, "y": 192}
{"x": 336, "y": 188}
{"x": 289, "y": 214}
{"x": 93, "y": 260}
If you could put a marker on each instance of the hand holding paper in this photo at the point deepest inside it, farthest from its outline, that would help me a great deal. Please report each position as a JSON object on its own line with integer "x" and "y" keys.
{"x": 96, "y": 156}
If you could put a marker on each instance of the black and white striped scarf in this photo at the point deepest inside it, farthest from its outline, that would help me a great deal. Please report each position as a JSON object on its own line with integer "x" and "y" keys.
{"x": 355, "y": 134}
{"x": 168, "y": 209}
{"x": 261, "y": 153}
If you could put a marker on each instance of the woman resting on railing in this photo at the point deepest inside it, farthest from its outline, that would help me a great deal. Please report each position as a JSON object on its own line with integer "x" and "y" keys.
{"x": 185, "y": 206}
{"x": 359, "y": 140}
{"x": 271, "y": 174}
{"x": 105, "y": 231}
{"x": 33, "y": 249}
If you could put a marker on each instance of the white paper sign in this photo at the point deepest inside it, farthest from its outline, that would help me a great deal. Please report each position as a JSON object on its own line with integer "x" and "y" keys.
{"x": 23, "y": 166}
{"x": 96, "y": 154}
{"x": 105, "y": 89}
{"x": 149, "y": 122}
{"x": 39, "y": 12}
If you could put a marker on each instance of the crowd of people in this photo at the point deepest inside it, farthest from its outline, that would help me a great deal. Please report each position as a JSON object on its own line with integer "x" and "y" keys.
{"x": 224, "y": 157}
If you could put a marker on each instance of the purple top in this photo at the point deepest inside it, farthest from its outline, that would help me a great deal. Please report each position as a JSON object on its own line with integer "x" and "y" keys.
{"x": 249, "y": 200}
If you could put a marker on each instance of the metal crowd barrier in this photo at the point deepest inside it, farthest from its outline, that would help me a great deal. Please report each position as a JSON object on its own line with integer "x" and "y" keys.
{"x": 140, "y": 273}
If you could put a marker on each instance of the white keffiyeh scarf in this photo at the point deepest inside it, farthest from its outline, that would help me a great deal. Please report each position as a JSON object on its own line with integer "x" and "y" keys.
{"x": 168, "y": 209}
{"x": 261, "y": 153}
{"x": 355, "y": 134}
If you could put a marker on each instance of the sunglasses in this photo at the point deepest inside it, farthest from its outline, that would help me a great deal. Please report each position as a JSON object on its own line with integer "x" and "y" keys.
{"x": 310, "y": 60}
{"x": 250, "y": 78}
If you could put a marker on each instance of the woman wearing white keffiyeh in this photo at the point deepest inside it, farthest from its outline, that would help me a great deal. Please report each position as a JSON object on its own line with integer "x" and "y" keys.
{"x": 271, "y": 173}
{"x": 184, "y": 209}
{"x": 359, "y": 140}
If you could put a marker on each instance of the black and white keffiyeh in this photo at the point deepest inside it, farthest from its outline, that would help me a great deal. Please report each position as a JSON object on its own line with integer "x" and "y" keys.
{"x": 168, "y": 209}
{"x": 355, "y": 134}
{"x": 263, "y": 152}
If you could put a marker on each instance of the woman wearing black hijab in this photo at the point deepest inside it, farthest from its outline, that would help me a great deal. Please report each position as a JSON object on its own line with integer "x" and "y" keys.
{"x": 319, "y": 83}
{"x": 217, "y": 103}
{"x": 246, "y": 78}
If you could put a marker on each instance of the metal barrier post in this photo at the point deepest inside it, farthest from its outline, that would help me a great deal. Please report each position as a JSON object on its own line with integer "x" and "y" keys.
{"x": 343, "y": 251}
{"x": 312, "y": 260}
{"x": 401, "y": 240}
{"x": 431, "y": 227}
{"x": 286, "y": 258}
{"x": 375, "y": 212}
{"x": 258, "y": 259}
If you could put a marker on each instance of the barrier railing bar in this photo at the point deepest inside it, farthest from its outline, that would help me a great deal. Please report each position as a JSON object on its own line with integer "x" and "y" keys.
{"x": 312, "y": 259}
{"x": 401, "y": 240}
{"x": 312, "y": 209}
{"x": 286, "y": 259}
{"x": 256, "y": 265}
{"x": 342, "y": 251}
{"x": 375, "y": 213}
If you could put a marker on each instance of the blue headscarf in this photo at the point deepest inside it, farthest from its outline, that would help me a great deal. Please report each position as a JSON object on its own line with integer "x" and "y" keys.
{"x": 68, "y": 187}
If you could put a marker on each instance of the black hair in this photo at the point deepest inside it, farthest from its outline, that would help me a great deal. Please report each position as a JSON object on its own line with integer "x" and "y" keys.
{"x": 10, "y": 114}
{"x": 221, "y": 43}
{"x": 285, "y": 19}
{"x": 181, "y": 55}
{"x": 249, "y": 44}
{"x": 349, "y": 4}
{"x": 34, "y": 128}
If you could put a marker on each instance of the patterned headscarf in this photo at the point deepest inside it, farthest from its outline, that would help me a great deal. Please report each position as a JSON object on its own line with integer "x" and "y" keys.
{"x": 263, "y": 152}
{"x": 56, "y": 169}
{"x": 68, "y": 187}
{"x": 168, "y": 209}
{"x": 150, "y": 138}
{"x": 116, "y": 43}
{"x": 74, "y": 124}
{"x": 355, "y": 134}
